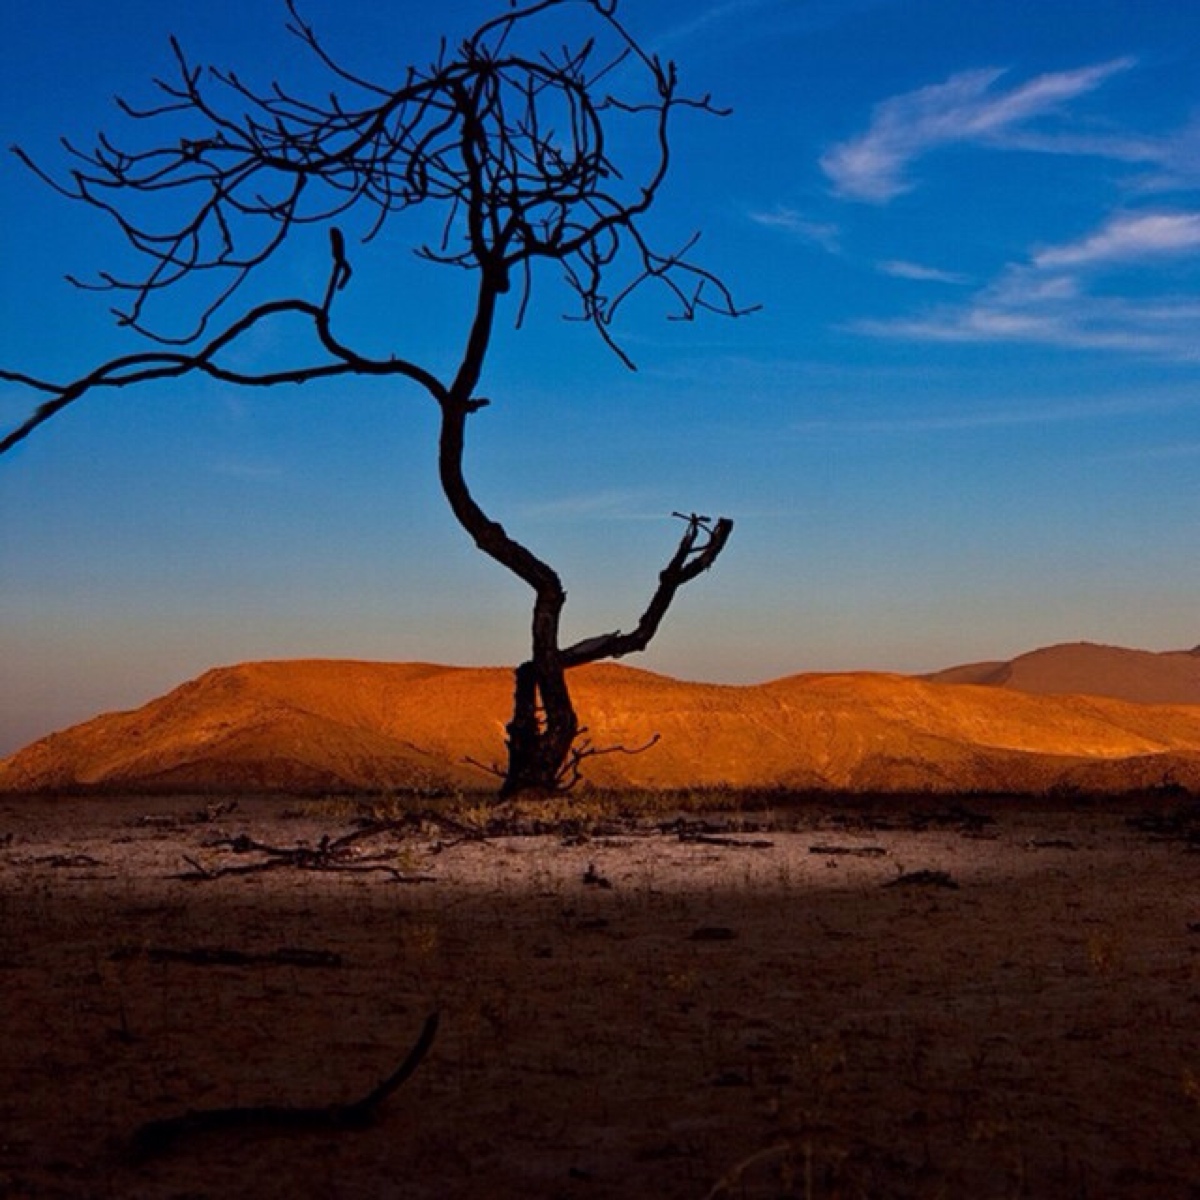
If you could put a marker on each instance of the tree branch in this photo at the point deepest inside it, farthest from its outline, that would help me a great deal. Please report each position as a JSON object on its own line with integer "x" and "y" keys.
{"x": 698, "y": 549}
{"x": 512, "y": 146}
{"x": 512, "y": 142}
{"x": 571, "y": 772}
{"x": 148, "y": 366}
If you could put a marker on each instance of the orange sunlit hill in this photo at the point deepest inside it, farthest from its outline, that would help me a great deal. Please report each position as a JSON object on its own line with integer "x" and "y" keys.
{"x": 1085, "y": 717}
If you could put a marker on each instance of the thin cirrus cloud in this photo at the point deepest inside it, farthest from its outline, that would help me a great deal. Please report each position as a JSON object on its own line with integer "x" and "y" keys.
{"x": 1010, "y": 313}
{"x": 1054, "y": 298}
{"x": 902, "y": 269}
{"x": 819, "y": 233}
{"x": 812, "y": 15}
{"x": 968, "y": 108}
{"x": 828, "y": 236}
{"x": 1132, "y": 237}
{"x": 711, "y": 15}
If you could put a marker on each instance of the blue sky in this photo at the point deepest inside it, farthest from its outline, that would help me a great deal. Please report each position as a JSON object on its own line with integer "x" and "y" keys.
{"x": 964, "y": 424}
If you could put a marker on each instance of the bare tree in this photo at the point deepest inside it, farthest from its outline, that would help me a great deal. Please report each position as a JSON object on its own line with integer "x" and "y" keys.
{"x": 510, "y": 144}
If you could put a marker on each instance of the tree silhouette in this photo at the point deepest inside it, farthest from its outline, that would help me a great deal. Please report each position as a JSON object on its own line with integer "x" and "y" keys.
{"x": 510, "y": 143}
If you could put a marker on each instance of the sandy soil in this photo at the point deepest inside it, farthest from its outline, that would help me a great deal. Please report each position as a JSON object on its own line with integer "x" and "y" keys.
{"x": 626, "y": 1016}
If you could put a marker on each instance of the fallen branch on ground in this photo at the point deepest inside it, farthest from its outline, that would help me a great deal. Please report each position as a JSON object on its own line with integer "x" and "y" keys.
{"x": 923, "y": 879}
{"x": 851, "y": 851}
{"x": 158, "y": 1137}
{"x": 329, "y": 854}
{"x": 704, "y": 834}
{"x": 67, "y": 860}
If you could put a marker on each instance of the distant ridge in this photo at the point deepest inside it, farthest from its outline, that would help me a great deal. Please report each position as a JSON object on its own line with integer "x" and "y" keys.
{"x": 317, "y": 726}
{"x": 1085, "y": 668}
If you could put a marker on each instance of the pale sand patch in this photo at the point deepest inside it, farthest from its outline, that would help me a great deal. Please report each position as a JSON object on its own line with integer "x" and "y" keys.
{"x": 1034, "y": 1031}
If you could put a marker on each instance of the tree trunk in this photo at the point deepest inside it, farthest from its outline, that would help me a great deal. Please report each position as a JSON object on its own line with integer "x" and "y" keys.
{"x": 541, "y": 733}
{"x": 542, "y": 754}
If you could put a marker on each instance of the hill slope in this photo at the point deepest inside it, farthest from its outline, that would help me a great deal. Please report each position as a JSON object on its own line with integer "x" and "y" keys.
{"x": 1084, "y": 668}
{"x": 318, "y": 726}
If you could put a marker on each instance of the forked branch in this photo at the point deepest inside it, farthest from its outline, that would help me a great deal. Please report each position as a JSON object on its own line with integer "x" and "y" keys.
{"x": 701, "y": 544}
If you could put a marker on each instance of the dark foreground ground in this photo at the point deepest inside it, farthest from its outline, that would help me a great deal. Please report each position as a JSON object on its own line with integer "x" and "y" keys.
{"x": 896, "y": 1000}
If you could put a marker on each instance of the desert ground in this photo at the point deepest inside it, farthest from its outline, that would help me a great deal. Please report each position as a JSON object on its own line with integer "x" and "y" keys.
{"x": 817, "y": 998}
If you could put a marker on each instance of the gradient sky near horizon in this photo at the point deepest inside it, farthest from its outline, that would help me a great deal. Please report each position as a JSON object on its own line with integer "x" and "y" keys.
{"x": 965, "y": 423}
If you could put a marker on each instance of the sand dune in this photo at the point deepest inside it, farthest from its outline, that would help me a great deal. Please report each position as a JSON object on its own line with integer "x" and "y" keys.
{"x": 321, "y": 726}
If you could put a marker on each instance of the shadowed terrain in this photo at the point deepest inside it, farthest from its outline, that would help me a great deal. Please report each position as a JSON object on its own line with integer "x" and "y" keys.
{"x": 840, "y": 999}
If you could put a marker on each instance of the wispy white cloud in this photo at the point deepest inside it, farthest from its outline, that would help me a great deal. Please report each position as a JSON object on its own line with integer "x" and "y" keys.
{"x": 968, "y": 108}
{"x": 820, "y": 233}
{"x": 1128, "y": 237}
{"x": 789, "y": 18}
{"x": 1057, "y": 296}
{"x": 1120, "y": 147}
{"x": 1177, "y": 160}
{"x": 902, "y": 269}
{"x": 713, "y": 14}
{"x": 1159, "y": 330}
